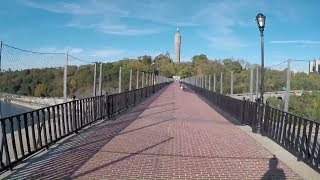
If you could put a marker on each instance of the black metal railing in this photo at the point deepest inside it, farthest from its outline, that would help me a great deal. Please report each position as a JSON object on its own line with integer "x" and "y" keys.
{"x": 298, "y": 135}
{"x": 25, "y": 134}
{"x": 225, "y": 103}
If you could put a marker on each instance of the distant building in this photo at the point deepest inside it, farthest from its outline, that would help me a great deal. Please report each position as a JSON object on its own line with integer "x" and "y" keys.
{"x": 177, "y": 47}
{"x": 314, "y": 66}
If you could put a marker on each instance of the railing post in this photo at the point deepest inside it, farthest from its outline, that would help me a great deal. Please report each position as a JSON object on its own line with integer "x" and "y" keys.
{"x": 107, "y": 105}
{"x": 100, "y": 80}
{"x": 251, "y": 84}
{"x": 130, "y": 83}
{"x": 119, "y": 80}
{"x": 137, "y": 86}
{"x": 231, "y": 92}
{"x": 209, "y": 82}
{"x": 243, "y": 110}
{"x": 74, "y": 114}
{"x": 147, "y": 79}
{"x": 202, "y": 81}
{"x": 126, "y": 105}
{"x": 221, "y": 83}
{"x": 95, "y": 80}
{"x": 134, "y": 97}
{"x": 287, "y": 95}
{"x": 153, "y": 82}
{"x": 205, "y": 81}
{"x": 214, "y": 82}
{"x": 142, "y": 80}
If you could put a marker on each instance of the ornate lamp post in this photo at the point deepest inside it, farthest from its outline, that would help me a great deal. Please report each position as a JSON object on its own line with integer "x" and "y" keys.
{"x": 260, "y": 18}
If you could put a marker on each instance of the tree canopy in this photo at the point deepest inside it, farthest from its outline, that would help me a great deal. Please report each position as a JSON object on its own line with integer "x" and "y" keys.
{"x": 48, "y": 82}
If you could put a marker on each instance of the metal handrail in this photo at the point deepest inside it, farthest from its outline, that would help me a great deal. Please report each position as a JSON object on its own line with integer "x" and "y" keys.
{"x": 28, "y": 133}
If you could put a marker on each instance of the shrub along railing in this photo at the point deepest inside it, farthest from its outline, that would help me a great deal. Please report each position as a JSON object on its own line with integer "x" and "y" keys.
{"x": 25, "y": 134}
{"x": 298, "y": 135}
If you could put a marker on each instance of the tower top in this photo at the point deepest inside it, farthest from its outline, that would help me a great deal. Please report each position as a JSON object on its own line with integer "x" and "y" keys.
{"x": 177, "y": 30}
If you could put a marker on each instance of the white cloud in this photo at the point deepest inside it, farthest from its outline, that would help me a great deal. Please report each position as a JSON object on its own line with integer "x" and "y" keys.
{"x": 225, "y": 42}
{"x": 295, "y": 42}
{"x": 223, "y": 16}
{"x": 84, "y": 8}
{"x": 75, "y": 50}
{"x": 84, "y": 55}
{"x": 105, "y": 53}
{"x": 70, "y": 50}
{"x": 114, "y": 17}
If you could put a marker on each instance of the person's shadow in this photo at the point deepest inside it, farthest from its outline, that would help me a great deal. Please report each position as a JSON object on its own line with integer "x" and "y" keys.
{"x": 274, "y": 172}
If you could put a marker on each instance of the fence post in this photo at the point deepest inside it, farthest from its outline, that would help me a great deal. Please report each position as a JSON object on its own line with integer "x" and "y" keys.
{"x": 130, "y": 83}
{"x": 137, "y": 86}
{"x": 153, "y": 82}
{"x": 120, "y": 80}
{"x": 147, "y": 79}
{"x": 74, "y": 113}
{"x": 107, "y": 106}
{"x": 231, "y": 92}
{"x": 202, "y": 81}
{"x": 214, "y": 82}
{"x": 243, "y": 109}
{"x": 221, "y": 84}
{"x": 94, "y": 79}
{"x": 205, "y": 81}
{"x": 209, "y": 82}
{"x": 100, "y": 80}
{"x": 287, "y": 95}
{"x": 251, "y": 84}
{"x": 142, "y": 79}
{"x": 65, "y": 79}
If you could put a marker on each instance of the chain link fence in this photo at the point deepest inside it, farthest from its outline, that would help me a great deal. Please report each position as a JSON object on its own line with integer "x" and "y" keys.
{"x": 39, "y": 79}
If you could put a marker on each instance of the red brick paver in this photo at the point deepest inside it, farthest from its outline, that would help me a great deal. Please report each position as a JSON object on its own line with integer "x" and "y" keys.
{"x": 176, "y": 136}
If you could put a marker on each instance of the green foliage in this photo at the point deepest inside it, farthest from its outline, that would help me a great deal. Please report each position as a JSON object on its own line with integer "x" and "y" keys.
{"x": 307, "y": 105}
{"x": 49, "y": 81}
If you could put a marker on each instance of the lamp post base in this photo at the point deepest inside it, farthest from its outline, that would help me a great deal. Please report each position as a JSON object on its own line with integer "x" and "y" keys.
{"x": 259, "y": 116}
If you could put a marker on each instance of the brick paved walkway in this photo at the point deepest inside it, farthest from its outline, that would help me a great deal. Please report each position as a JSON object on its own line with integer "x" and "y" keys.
{"x": 174, "y": 135}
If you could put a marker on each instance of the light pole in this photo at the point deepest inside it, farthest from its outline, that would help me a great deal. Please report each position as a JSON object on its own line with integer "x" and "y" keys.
{"x": 260, "y": 18}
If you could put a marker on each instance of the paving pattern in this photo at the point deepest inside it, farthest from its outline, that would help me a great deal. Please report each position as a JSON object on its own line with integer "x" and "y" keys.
{"x": 172, "y": 135}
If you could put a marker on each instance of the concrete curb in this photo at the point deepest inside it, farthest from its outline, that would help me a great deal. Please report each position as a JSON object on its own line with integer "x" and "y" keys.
{"x": 299, "y": 167}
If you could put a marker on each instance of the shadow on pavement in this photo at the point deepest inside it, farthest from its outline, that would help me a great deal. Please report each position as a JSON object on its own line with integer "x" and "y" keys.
{"x": 218, "y": 110}
{"x": 274, "y": 172}
{"x": 67, "y": 157}
{"x": 121, "y": 158}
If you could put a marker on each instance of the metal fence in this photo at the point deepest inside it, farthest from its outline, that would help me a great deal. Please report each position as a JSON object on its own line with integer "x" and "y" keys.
{"x": 27, "y": 133}
{"x": 298, "y": 135}
{"x": 225, "y": 103}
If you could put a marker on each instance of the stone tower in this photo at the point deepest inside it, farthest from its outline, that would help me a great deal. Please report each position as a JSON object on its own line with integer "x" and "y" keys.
{"x": 177, "y": 46}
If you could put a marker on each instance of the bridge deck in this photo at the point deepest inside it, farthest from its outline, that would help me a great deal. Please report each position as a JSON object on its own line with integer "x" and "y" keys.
{"x": 174, "y": 134}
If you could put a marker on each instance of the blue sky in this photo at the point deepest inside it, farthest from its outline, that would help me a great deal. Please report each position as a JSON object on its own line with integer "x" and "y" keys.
{"x": 111, "y": 30}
